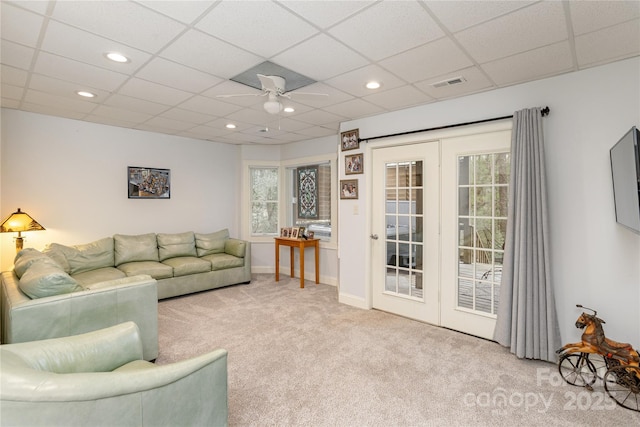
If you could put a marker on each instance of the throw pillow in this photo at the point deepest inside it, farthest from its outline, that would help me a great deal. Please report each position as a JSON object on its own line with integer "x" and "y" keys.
{"x": 43, "y": 279}
{"x": 143, "y": 247}
{"x": 212, "y": 243}
{"x": 176, "y": 245}
{"x": 26, "y": 257}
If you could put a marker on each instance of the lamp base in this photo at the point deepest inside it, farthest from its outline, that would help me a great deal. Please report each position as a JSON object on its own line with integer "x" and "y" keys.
{"x": 19, "y": 243}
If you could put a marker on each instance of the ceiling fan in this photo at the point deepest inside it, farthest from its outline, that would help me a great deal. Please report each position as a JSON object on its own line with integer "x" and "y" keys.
{"x": 274, "y": 88}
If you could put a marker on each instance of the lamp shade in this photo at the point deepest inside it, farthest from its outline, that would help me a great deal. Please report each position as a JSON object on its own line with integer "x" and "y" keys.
{"x": 19, "y": 221}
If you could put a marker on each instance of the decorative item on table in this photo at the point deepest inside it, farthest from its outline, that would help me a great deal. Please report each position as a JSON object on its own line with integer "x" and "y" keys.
{"x": 301, "y": 234}
{"x": 294, "y": 233}
{"x": 18, "y": 222}
{"x": 310, "y": 234}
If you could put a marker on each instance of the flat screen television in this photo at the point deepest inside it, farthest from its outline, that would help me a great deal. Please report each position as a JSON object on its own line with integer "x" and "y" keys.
{"x": 625, "y": 169}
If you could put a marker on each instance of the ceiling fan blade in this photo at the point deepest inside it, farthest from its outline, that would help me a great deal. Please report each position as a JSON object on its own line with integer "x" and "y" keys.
{"x": 268, "y": 83}
{"x": 239, "y": 94}
{"x": 303, "y": 95}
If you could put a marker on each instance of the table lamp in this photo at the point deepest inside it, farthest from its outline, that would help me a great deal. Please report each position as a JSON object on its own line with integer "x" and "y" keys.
{"x": 19, "y": 221}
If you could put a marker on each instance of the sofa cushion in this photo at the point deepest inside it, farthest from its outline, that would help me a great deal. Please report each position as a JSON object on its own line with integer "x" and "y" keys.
{"x": 143, "y": 247}
{"x": 183, "y": 266}
{"x": 212, "y": 243}
{"x": 154, "y": 269}
{"x": 99, "y": 275}
{"x": 26, "y": 257}
{"x": 43, "y": 279}
{"x": 222, "y": 261}
{"x": 235, "y": 247}
{"x": 90, "y": 256}
{"x": 176, "y": 245}
{"x": 55, "y": 251}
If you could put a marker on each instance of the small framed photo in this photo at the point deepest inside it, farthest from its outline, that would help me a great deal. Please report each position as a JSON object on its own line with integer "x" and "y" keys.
{"x": 310, "y": 234}
{"x": 301, "y": 232}
{"x": 353, "y": 164}
{"x": 350, "y": 140}
{"x": 294, "y": 233}
{"x": 348, "y": 188}
{"x": 284, "y": 232}
{"x": 148, "y": 183}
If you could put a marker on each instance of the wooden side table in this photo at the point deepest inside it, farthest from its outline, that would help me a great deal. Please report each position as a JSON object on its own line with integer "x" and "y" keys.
{"x": 301, "y": 244}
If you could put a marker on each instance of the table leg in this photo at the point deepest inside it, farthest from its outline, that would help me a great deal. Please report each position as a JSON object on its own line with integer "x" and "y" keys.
{"x": 277, "y": 261}
{"x": 317, "y": 250}
{"x": 291, "y": 258}
{"x": 301, "y": 264}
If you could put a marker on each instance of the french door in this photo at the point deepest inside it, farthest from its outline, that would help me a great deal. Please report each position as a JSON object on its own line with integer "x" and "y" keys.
{"x": 438, "y": 224}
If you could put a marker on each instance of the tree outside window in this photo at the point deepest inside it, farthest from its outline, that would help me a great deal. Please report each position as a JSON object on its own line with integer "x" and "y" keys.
{"x": 264, "y": 200}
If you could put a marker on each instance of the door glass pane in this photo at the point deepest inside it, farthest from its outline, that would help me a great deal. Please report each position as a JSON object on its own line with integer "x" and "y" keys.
{"x": 404, "y": 228}
{"x": 483, "y": 192}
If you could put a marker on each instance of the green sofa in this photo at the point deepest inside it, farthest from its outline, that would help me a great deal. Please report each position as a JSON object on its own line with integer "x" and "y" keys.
{"x": 100, "y": 379}
{"x": 67, "y": 290}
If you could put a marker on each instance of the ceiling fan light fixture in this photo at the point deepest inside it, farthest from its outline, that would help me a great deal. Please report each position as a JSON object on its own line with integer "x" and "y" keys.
{"x": 273, "y": 107}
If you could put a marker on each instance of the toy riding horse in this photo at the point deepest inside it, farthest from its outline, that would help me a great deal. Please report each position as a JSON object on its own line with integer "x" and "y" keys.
{"x": 594, "y": 341}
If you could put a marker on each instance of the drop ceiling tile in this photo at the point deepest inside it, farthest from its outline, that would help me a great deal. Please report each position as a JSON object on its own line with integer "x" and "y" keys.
{"x": 588, "y": 16}
{"x": 292, "y": 125}
{"x": 9, "y": 103}
{"x": 16, "y": 55}
{"x": 475, "y": 81}
{"x": 19, "y": 25}
{"x": 335, "y": 96}
{"x": 319, "y": 117}
{"x": 429, "y": 60}
{"x": 458, "y": 15}
{"x": 52, "y": 110}
{"x": 204, "y": 105}
{"x": 177, "y": 76}
{"x": 61, "y": 39}
{"x": 355, "y": 109}
{"x": 33, "y": 5}
{"x": 612, "y": 43}
{"x": 230, "y": 87}
{"x": 186, "y": 116}
{"x": 153, "y": 92}
{"x": 11, "y": 92}
{"x": 329, "y": 58}
{"x": 110, "y": 121}
{"x": 126, "y": 22}
{"x": 318, "y": 132}
{"x": 387, "y": 28}
{"x": 78, "y": 72}
{"x": 168, "y": 124}
{"x": 135, "y": 104}
{"x": 354, "y": 82}
{"x": 183, "y": 10}
{"x": 263, "y": 28}
{"x": 14, "y": 76}
{"x": 325, "y": 16}
{"x": 121, "y": 114}
{"x": 531, "y": 65}
{"x": 537, "y": 25}
{"x": 49, "y": 100}
{"x": 65, "y": 89}
{"x": 396, "y": 99}
{"x": 249, "y": 115}
{"x": 198, "y": 50}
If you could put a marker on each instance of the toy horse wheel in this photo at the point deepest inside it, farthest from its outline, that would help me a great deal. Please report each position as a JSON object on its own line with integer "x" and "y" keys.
{"x": 623, "y": 385}
{"x": 577, "y": 369}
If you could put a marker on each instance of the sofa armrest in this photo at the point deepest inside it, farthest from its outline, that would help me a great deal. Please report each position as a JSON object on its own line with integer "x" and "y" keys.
{"x": 136, "y": 299}
{"x": 235, "y": 247}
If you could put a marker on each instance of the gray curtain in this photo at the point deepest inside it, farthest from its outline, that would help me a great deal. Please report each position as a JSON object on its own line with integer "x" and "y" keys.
{"x": 527, "y": 321}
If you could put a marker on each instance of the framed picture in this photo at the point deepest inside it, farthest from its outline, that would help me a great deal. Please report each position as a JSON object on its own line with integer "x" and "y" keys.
{"x": 301, "y": 232}
{"x": 148, "y": 183}
{"x": 353, "y": 164}
{"x": 294, "y": 233}
{"x": 283, "y": 232}
{"x": 310, "y": 234}
{"x": 348, "y": 188}
{"x": 350, "y": 140}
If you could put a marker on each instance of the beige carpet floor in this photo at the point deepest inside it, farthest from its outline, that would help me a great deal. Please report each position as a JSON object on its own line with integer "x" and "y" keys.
{"x": 299, "y": 358}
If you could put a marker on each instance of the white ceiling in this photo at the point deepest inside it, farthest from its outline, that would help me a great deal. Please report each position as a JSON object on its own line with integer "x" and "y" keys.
{"x": 183, "y": 54}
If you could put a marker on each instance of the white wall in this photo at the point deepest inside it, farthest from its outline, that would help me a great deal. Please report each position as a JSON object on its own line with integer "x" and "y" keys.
{"x": 595, "y": 262}
{"x": 71, "y": 176}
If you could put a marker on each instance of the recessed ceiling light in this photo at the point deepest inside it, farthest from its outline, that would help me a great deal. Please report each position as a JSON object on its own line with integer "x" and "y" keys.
{"x": 116, "y": 57}
{"x": 86, "y": 94}
{"x": 373, "y": 85}
{"x": 230, "y": 126}
{"x": 289, "y": 109}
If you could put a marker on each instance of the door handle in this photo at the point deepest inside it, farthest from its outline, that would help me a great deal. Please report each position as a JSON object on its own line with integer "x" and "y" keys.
{"x": 374, "y": 236}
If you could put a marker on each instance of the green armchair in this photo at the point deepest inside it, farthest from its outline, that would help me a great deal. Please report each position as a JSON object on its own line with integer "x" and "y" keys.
{"x": 100, "y": 379}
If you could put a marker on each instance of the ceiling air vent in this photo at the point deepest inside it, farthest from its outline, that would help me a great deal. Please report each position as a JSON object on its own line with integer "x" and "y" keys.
{"x": 449, "y": 82}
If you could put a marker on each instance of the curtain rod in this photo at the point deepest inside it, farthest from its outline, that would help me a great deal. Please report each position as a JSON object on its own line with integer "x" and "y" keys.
{"x": 545, "y": 112}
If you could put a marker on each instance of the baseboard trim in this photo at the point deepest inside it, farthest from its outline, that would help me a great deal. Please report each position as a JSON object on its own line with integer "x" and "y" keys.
{"x": 353, "y": 301}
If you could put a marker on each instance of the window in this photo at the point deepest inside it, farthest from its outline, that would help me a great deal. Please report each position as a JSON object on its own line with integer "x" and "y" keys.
{"x": 308, "y": 194}
{"x": 264, "y": 200}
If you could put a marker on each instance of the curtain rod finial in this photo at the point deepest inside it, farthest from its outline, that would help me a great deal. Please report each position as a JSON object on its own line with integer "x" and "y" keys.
{"x": 545, "y": 111}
